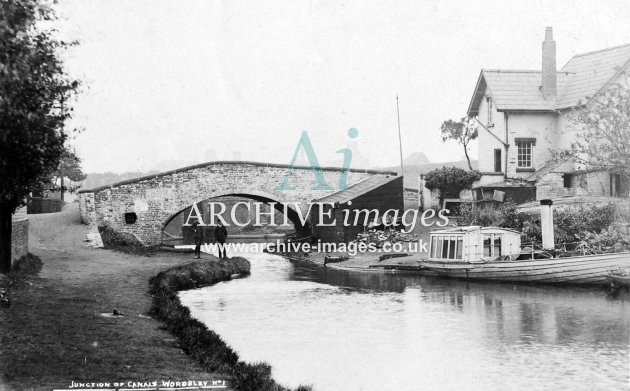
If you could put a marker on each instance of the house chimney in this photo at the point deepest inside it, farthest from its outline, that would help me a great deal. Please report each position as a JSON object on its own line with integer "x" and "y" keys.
{"x": 549, "y": 80}
{"x": 546, "y": 224}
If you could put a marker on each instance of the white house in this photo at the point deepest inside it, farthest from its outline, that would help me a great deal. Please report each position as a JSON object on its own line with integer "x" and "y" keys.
{"x": 522, "y": 117}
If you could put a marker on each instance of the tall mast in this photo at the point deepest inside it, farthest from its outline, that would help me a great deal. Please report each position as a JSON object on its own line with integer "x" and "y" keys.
{"x": 399, "y": 138}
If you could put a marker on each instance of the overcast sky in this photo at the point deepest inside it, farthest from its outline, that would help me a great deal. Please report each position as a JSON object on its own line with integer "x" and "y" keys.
{"x": 168, "y": 81}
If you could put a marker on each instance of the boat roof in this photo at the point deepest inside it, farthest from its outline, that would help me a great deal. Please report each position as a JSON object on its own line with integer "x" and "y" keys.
{"x": 471, "y": 228}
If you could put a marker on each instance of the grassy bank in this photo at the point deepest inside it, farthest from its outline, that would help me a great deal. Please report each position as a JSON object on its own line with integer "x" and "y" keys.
{"x": 54, "y": 331}
{"x": 25, "y": 267}
{"x": 204, "y": 345}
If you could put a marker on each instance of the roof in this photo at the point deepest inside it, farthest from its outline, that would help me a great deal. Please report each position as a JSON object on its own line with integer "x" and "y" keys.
{"x": 457, "y": 230}
{"x": 578, "y": 81}
{"x": 589, "y": 72}
{"x": 362, "y": 187}
{"x": 565, "y": 167}
{"x": 470, "y": 228}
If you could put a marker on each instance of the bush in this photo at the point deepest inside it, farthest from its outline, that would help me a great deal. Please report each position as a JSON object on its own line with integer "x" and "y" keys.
{"x": 614, "y": 238}
{"x": 450, "y": 181}
{"x": 255, "y": 376}
{"x": 572, "y": 223}
{"x": 115, "y": 238}
{"x": 582, "y": 225}
{"x": 491, "y": 215}
{"x": 596, "y": 227}
{"x": 28, "y": 265}
{"x": 532, "y": 231}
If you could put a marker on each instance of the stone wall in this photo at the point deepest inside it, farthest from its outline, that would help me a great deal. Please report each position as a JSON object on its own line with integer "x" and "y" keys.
{"x": 155, "y": 199}
{"x": 592, "y": 183}
{"x": 87, "y": 208}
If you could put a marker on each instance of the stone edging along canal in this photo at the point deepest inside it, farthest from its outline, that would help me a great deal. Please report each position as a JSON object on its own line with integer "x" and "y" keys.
{"x": 195, "y": 339}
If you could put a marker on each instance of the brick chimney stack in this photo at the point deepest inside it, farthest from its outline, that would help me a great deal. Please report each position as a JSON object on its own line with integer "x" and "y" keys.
{"x": 549, "y": 79}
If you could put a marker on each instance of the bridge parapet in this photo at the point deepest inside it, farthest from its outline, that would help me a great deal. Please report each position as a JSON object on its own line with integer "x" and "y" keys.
{"x": 156, "y": 198}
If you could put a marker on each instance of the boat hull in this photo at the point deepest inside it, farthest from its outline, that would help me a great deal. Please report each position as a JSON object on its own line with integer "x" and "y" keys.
{"x": 619, "y": 280}
{"x": 588, "y": 270}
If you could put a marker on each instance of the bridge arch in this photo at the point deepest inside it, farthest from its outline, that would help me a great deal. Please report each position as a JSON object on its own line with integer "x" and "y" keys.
{"x": 293, "y": 215}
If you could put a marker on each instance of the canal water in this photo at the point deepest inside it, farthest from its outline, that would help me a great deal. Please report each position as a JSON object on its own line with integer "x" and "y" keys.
{"x": 341, "y": 330}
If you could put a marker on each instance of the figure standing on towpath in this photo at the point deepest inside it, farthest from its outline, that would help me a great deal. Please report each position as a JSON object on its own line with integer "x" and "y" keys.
{"x": 220, "y": 234}
{"x": 198, "y": 238}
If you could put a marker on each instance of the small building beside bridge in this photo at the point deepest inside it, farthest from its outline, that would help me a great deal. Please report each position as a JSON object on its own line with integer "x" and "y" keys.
{"x": 379, "y": 193}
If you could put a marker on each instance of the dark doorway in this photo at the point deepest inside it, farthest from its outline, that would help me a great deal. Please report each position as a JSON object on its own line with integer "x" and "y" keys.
{"x": 497, "y": 160}
{"x": 568, "y": 180}
{"x": 615, "y": 185}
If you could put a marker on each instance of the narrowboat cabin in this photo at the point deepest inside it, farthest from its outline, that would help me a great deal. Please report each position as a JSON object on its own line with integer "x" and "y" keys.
{"x": 474, "y": 244}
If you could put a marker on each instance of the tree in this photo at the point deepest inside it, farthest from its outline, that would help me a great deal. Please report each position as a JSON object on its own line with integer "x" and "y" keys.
{"x": 450, "y": 181}
{"x": 602, "y": 128}
{"x": 463, "y": 132}
{"x": 33, "y": 89}
{"x": 69, "y": 167}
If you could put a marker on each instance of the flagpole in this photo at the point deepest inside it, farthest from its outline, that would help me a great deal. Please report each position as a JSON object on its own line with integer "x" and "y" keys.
{"x": 399, "y": 138}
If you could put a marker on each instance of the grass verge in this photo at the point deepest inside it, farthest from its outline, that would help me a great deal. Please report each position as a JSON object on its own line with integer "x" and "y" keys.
{"x": 27, "y": 266}
{"x": 204, "y": 345}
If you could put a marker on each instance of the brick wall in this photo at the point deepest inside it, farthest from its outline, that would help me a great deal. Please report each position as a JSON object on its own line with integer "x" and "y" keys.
{"x": 155, "y": 199}
{"x": 19, "y": 237}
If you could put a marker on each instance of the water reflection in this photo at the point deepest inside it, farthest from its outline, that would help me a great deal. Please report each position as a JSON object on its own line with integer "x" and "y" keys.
{"x": 373, "y": 331}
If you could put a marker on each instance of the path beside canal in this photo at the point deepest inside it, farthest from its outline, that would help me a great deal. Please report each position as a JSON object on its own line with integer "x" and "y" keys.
{"x": 53, "y": 332}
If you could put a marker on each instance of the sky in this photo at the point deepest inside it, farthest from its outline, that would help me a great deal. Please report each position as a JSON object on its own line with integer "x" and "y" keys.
{"x": 171, "y": 83}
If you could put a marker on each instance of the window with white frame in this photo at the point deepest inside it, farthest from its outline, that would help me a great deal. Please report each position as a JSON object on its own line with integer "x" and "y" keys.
{"x": 525, "y": 152}
{"x": 447, "y": 247}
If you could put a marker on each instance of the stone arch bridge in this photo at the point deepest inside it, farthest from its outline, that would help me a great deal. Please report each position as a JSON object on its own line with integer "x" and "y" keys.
{"x": 155, "y": 199}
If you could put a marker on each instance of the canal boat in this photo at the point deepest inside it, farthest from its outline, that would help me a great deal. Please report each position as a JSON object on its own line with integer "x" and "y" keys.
{"x": 494, "y": 254}
{"x": 334, "y": 259}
